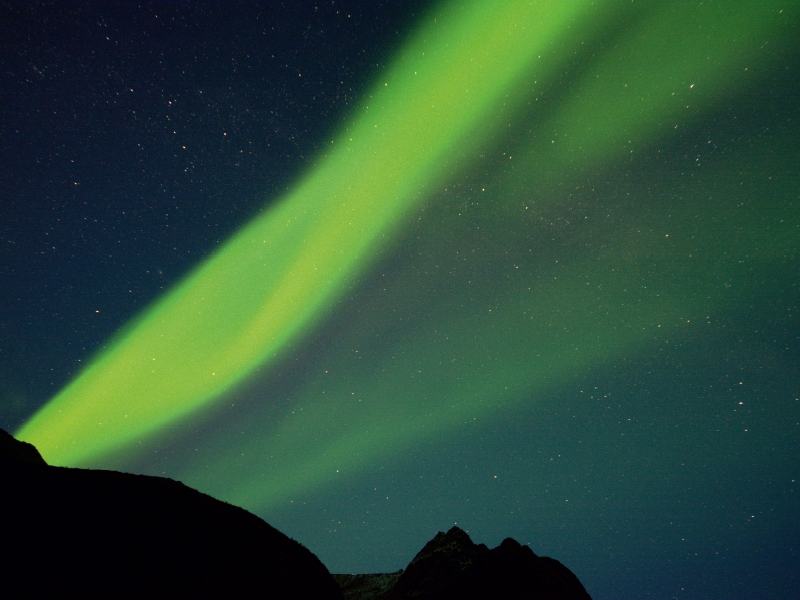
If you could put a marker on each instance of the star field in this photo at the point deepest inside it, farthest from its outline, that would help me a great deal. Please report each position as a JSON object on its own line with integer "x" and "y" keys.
{"x": 575, "y": 325}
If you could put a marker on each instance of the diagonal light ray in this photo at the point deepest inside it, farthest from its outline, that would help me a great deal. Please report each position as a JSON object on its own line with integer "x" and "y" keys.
{"x": 278, "y": 275}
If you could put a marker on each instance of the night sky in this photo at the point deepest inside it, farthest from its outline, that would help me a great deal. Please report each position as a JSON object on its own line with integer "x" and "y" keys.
{"x": 373, "y": 269}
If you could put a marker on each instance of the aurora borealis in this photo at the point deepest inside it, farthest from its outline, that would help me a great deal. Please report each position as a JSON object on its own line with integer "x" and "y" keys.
{"x": 241, "y": 307}
{"x": 539, "y": 279}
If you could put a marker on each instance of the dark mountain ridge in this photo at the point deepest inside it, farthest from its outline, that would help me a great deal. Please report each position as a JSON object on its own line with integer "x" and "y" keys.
{"x": 92, "y": 533}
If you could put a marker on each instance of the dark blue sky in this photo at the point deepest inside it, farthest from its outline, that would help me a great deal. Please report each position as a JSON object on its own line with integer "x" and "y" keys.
{"x": 135, "y": 138}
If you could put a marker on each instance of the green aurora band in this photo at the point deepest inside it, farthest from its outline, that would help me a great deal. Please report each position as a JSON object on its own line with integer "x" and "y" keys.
{"x": 460, "y": 157}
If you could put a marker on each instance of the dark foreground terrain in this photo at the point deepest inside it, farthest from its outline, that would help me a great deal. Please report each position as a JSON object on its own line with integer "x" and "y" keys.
{"x": 83, "y": 533}
{"x": 90, "y": 534}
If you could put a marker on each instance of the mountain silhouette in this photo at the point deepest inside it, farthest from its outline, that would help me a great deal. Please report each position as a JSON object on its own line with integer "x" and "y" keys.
{"x": 93, "y": 533}
{"x": 452, "y": 567}
{"x": 90, "y": 533}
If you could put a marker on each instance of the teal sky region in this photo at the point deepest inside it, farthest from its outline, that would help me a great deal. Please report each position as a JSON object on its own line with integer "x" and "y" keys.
{"x": 585, "y": 337}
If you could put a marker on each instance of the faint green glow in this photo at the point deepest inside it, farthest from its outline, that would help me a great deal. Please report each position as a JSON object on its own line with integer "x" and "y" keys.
{"x": 533, "y": 320}
{"x": 515, "y": 334}
{"x": 274, "y": 278}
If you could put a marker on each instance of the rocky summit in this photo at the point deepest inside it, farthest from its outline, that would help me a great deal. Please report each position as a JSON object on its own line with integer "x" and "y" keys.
{"x": 452, "y": 567}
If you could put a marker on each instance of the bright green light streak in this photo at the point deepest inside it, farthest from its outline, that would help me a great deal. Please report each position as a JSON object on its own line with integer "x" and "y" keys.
{"x": 272, "y": 280}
